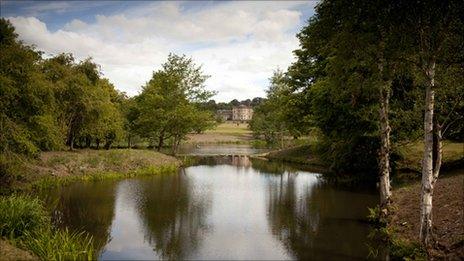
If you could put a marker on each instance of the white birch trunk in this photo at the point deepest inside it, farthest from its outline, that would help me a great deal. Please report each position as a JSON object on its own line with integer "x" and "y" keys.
{"x": 384, "y": 155}
{"x": 427, "y": 161}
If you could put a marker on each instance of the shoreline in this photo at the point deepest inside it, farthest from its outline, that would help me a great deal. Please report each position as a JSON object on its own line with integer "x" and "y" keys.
{"x": 62, "y": 167}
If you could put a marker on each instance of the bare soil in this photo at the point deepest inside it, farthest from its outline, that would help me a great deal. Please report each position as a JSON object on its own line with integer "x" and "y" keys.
{"x": 9, "y": 252}
{"x": 448, "y": 216}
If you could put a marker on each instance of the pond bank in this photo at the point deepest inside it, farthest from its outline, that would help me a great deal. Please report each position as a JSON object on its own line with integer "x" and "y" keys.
{"x": 300, "y": 155}
{"x": 448, "y": 216}
{"x": 60, "y": 167}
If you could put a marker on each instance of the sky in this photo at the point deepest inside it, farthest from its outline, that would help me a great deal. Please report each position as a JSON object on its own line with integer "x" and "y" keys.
{"x": 237, "y": 43}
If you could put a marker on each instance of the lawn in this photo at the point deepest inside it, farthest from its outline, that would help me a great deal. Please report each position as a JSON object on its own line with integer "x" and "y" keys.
{"x": 413, "y": 152}
{"x": 224, "y": 133}
{"x": 230, "y": 128}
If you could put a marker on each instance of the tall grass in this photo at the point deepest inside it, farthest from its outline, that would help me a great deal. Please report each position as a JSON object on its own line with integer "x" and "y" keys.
{"x": 19, "y": 214}
{"x": 24, "y": 221}
{"x": 50, "y": 244}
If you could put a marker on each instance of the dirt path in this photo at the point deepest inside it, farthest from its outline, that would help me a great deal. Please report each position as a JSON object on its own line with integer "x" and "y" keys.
{"x": 448, "y": 215}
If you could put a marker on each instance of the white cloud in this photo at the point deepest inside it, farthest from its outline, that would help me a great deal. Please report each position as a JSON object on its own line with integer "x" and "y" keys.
{"x": 238, "y": 43}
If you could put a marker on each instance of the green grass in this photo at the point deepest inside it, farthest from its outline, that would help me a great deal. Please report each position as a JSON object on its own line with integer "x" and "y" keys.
{"x": 19, "y": 214}
{"x": 412, "y": 154}
{"x": 26, "y": 224}
{"x": 51, "y": 244}
{"x": 230, "y": 128}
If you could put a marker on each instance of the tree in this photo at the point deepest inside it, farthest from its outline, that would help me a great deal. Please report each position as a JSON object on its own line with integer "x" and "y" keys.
{"x": 434, "y": 30}
{"x": 271, "y": 116}
{"x": 26, "y": 98}
{"x": 168, "y": 107}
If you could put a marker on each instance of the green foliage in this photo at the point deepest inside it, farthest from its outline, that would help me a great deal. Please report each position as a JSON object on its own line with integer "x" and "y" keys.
{"x": 279, "y": 115}
{"x": 21, "y": 214}
{"x": 349, "y": 52}
{"x": 407, "y": 251}
{"x": 168, "y": 106}
{"x": 49, "y": 103}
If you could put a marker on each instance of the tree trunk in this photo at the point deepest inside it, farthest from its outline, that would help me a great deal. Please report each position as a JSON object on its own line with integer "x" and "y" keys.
{"x": 437, "y": 150}
{"x": 129, "y": 141}
{"x": 71, "y": 143}
{"x": 175, "y": 144}
{"x": 427, "y": 161}
{"x": 160, "y": 142}
{"x": 88, "y": 142}
{"x": 384, "y": 155}
{"x": 97, "y": 141}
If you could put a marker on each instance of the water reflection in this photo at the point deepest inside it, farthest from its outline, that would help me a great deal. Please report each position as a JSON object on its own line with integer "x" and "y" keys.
{"x": 228, "y": 207}
{"x": 84, "y": 206}
{"x": 315, "y": 221}
{"x": 173, "y": 215}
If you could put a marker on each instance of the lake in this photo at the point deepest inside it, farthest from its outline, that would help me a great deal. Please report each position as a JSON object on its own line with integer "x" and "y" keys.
{"x": 224, "y": 207}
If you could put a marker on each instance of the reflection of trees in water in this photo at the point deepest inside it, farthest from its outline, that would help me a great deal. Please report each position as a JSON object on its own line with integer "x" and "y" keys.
{"x": 272, "y": 167}
{"x": 85, "y": 206}
{"x": 314, "y": 221}
{"x": 234, "y": 160}
{"x": 174, "y": 218}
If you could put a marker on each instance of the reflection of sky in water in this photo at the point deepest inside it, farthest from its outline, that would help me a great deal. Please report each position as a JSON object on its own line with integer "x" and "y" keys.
{"x": 127, "y": 240}
{"x": 237, "y": 215}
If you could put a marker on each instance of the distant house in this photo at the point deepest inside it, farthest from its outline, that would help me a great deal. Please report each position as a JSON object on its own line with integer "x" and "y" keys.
{"x": 242, "y": 113}
{"x": 238, "y": 113}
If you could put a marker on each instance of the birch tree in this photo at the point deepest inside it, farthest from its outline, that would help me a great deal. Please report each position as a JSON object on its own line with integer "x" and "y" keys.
{"x": 436, "y": 29}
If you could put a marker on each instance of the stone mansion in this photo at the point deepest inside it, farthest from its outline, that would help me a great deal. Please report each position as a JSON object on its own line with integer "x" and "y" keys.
{"x": 238, "y": 113}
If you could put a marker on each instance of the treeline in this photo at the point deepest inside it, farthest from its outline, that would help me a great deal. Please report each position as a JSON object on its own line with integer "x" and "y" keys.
{"x": 214, "y": 106}
{"x": 369, "y": 76}
{"x": 58, "y": 102}
{"x": 47, "y": 104}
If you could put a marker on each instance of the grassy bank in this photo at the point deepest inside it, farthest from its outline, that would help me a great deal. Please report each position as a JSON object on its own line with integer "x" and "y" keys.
{"x": 411, "y": 156}
{"x": 62, "y": 167}
{"x": 300, "y": 155}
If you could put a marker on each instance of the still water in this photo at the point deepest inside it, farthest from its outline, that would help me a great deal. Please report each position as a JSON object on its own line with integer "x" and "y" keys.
{"x": 228, "y": 207}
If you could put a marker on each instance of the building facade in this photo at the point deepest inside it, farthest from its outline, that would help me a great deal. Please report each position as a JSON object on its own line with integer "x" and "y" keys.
{"x": 242, "y": 113}
{"x": 238, "y": 113}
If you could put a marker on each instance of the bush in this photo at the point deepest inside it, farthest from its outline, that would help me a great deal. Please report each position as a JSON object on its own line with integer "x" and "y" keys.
{"x": 20, "y": 214}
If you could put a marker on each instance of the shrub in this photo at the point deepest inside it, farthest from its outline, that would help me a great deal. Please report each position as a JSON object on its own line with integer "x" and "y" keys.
{"x": 20, "y": 214}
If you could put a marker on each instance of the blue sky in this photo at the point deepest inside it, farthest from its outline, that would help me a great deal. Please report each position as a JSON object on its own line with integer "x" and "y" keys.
{"x": 238, "y": 43}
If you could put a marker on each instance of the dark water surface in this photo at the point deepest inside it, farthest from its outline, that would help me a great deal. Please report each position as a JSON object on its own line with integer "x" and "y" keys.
{"x": 229, "y": 207}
